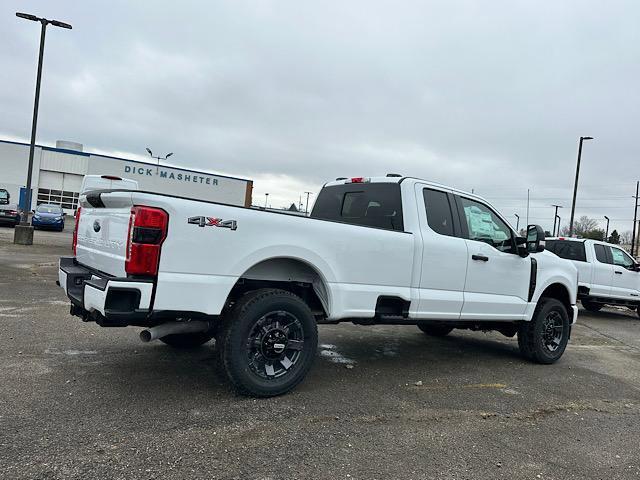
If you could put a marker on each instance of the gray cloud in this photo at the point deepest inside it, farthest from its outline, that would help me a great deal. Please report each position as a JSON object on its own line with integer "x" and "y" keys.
{"x": 485, "y": 96}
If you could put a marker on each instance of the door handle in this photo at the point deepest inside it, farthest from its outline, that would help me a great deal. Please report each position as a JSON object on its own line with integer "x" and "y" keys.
{"x": 618, "y": 272}
{"x": 482, "y": 258}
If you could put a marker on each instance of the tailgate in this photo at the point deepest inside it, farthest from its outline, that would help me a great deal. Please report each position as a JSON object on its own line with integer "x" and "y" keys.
{"x": 102, "y": 232}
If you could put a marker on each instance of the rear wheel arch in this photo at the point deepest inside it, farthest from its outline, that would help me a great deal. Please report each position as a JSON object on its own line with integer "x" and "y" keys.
{"x": 286, "y": 273}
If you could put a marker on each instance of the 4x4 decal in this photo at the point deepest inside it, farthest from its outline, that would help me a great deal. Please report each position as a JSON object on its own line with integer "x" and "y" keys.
{"x": 213, "y": 222}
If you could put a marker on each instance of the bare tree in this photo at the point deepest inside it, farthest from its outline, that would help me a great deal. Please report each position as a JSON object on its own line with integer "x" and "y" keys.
{"x": 584, "y": 227}
{"x": 625, "y": 237}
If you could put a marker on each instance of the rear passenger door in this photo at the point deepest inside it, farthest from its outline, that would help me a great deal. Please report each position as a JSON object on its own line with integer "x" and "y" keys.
{"x": 625, "y": 281}
{"x": 602, "y": 275}
{"x": 497, "y": 283}
{"x": 444, "y": 256}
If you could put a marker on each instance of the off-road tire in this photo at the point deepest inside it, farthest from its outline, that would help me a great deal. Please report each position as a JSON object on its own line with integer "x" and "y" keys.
{"x": 531, "y": 335}
{"x": 235, "y": 341}
{"x": 591, "y": 306}
{"x": 187, "y": 340}
{"x": 434, "y": 329}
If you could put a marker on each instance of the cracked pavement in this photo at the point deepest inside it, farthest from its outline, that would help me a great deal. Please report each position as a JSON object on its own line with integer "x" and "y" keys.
{"x": 79, "y": 402}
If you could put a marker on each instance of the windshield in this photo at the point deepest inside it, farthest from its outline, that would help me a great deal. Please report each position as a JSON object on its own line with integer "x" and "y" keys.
{"x": 4, "y": 197}
{"x": 49, "y": 209}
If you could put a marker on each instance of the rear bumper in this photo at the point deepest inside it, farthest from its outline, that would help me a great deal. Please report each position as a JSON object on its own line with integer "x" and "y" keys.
{"x": 9, "y": 220}
{"x": 109, "y": 301}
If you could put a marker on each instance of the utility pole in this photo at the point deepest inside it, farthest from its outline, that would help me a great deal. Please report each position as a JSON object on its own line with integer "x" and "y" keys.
{"x": 606, "y": 233}
{"x": 306, "y": 209}
{"x": 635, "y": 218}
{"x": 23, "y": 234}
{"x": 555, "y": 217}
{"x": 575, "y": 186}
{"x": 266, "y": 197}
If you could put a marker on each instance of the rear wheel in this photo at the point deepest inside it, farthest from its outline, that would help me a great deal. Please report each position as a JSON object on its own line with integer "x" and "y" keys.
{"x": 591, "y": 306}
{"x": 434, "y": 329}
{"x": 187, "y": 340}
{"x": 268, "y": 342}
{"x": 544, "y": 339}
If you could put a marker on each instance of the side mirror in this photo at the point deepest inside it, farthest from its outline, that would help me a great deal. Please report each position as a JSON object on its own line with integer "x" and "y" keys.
{"x": 535, "y": 239}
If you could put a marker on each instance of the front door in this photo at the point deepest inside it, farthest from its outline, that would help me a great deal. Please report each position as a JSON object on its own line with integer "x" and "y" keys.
{"x": 497, "y": 283}
{"x": 626, "y": 281}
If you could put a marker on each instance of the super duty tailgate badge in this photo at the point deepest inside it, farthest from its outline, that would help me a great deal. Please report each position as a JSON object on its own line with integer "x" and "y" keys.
{"x": 213, "y": 222}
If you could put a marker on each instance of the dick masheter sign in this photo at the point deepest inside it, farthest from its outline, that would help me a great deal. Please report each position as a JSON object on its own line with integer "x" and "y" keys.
{"x": 178, "y": 177}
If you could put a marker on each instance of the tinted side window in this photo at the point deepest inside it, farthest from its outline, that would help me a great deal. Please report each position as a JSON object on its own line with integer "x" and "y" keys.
{"x": 567, "y": 249}
{"x": 368, "y": 204}
{"x": 601, "y": 253}
{"x": 620, "y": 258}
{"x": 439, "y": 216}
{"x": 486, "y": 226}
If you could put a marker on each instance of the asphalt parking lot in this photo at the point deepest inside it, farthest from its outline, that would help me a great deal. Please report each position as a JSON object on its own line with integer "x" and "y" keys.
{"x": 80, "y": 402}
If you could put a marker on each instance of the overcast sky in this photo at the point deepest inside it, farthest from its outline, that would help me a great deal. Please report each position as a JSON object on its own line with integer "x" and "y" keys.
{"x": 490, "y": 96}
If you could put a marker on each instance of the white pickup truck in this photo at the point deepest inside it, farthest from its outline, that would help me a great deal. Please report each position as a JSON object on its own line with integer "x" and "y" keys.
{"x": 389, "y": 250}
{"x": 607, "y": 275}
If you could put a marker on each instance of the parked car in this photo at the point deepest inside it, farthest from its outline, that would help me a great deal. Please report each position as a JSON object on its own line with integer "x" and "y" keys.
{"x": 607, "y": 274}
{"x": 390, "y": 250}
{"x": 9, "y": 213}
{"x": 48, "y": 216}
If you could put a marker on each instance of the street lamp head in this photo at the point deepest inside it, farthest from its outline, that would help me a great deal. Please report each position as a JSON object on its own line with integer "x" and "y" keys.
{"x": 60, "y": 24}
{"x": 27, "y": 16}
{"x": 586, "y": 138}
{"x": 149, "y": 151}
{"x": 606, "y": 217}
{"x": 168, "y": 155}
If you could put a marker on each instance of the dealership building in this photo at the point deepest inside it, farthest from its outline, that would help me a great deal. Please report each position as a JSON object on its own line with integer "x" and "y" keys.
{"x": 58, "y": 172}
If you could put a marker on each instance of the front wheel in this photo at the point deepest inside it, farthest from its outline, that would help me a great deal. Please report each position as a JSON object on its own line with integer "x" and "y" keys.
{"x": 544, "y": 339}
{"x": 268, "y": 342}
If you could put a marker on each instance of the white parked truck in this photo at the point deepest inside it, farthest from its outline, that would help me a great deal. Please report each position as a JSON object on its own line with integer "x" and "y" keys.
{"x": 389, "y": 250}
{"x": 607, "y": 275}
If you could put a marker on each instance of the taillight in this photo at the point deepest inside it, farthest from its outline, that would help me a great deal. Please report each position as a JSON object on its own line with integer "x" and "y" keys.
{"x": 75, "y": 232}
{"x": 147, "y": 231}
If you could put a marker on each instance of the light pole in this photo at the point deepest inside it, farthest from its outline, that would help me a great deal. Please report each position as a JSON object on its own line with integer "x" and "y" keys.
{"x": 555, "y": 217}
{"x": 635, "y": 218}
{"x": 24, "y": 232}
{"x": 306, "y": 209}
{"x": 517, "y": 222}
{"x": 158, "y": 158}
{"x": 266, "y": 197}
{"x": 559, "y": 220}
{"x": 606, "y": 234}
{"x": 575, "y": 186}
